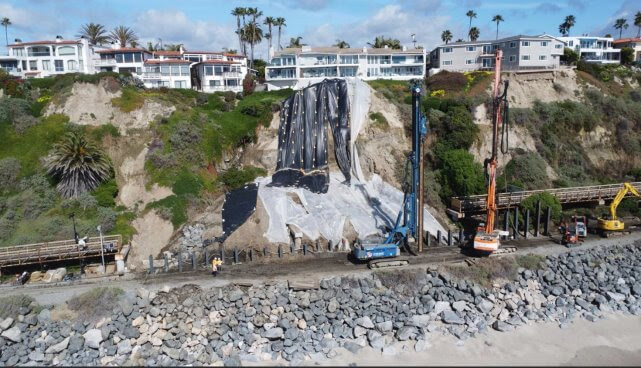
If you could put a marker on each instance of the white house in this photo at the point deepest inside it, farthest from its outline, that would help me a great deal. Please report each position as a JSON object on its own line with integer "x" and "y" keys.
{"x": 299, "y": 67}
{"x": 169, "y": 73}
{"x": 39, "y": 59}
{"x": 219, "y": 75}
{"x": 594, "y": 49}
{"x": 633, "y": 43}
{"x": 122, "y": 59}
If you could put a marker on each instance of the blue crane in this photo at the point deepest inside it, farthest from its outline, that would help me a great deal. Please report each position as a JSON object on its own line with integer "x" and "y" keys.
{"x": 409, "y": 221}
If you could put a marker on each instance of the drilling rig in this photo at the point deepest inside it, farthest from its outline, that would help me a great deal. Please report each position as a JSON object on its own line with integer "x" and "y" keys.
{"x": 487, "y": 238}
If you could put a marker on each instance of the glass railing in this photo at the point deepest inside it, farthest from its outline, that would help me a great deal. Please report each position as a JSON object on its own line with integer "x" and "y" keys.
{"x": 43, "y": 53}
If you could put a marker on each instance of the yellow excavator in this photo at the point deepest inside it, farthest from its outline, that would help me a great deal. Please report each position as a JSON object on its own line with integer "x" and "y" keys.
{"x": 607, "y": 225}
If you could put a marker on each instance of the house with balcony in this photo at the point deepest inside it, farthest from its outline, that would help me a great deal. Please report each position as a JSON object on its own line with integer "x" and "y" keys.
{"x": 633, "y": 43}
{"x": 219, "y": 75}
{"x": 122, "y": 60}
{"x": 594, "y": 49}
{"x": 168, "y": 73}
{"x": 299, "y": 67}
{"x": 39, "y": 59}
{"x": 519, "y": 53}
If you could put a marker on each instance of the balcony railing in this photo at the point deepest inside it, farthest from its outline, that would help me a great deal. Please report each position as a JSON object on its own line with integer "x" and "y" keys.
{"x": 42, "y": 53}
{"x": 232, "y": 75}
{"x": 105, "y": 62}
{"x": 222, "y": 88}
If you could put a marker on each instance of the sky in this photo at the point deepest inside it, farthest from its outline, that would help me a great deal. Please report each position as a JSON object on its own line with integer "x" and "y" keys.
{"x": 208, "y": 24}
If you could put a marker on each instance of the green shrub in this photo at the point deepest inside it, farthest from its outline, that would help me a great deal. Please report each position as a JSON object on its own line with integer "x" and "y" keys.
{"x": 547, "y": 200}
{"x": 176, "y": 209}
{"x": 456, "y": 129}
{"x": 569, "y": 57}
{"x": 460, "y": 175}
{"x": 98, "y": 133}
{"x": 12, "y": 108}
{"x": 379, "y": 120}
{"x": 187, "y": 183}
{"x": 9, "y": 174}
{"x": 123, "y": 226}
{"x": 235, "y": 178}
{"x": 529, "y": 169}
{"x": 130, "y": 100}
{"x": 106, "y": 193}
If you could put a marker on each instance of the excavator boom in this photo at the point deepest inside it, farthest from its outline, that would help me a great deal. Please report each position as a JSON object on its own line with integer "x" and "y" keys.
{"x": 613, "y": 224}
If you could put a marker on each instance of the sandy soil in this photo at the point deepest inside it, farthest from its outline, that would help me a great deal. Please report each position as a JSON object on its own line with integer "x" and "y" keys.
{"x": 133, "y": 190}
{"x": 525, "y": 88}
{"x": 153, "y": 234}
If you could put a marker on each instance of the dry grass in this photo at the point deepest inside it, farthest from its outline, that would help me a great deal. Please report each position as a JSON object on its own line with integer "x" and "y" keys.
{"x": 94, "y": 303}
{"x": 530, "y": 261}
{"x": 405, "y": 281}
{"x": 10, "y": 305}
{"x": 486, "y": 271}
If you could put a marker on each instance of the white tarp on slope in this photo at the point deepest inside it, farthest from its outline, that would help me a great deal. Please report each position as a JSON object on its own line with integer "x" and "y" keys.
{"x": 369, "y": 206}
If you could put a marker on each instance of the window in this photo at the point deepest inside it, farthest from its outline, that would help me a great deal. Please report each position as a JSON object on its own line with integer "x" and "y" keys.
{"x": 349, "y": 59}
{"x": 33, "y": 65}
{"x": 138, "y": 57}
{"x": 447, "y": 50}
{"x": 470, "y": 48}
{"x": 214, "y": 83}
{"x": 418, "y": 59}
{"x": 469, "y": 61}
{"x": 184, "y": 70}
{"x": 525, "y": 43}
{"x": 543, "y": 57}
{"x": 18, "y": 52}
{"x": 71, "y": 65}
{"x": 66, "y": 50}
{"x": 129, "y": 58}
{"x": 512, "y": 58}
{"x": 24, "y": 64}
{"x": 397, "y": 59}
{"x": 209, "y": 70}
{"x": 447, "y": 62}
{"x": 218, "y": 70}
{"x": 571, "y": 43}
{"x": 180, "y": 84}
{"x": 120, "y": 58}
{"x": 164, "y": 70}
{"x": 525, "y": 57}
{"x": 487, "y": 49}
{"x": 232, "y": 82}
{"x": 512, "y": 45}
{"x": 347, "y": 72}
{"x": 175, "y": 70}
{"x": 60, "y": 65}
{"x": 46, "y": 65}
{"x": 558, "y": 46}
{"x": 544, "y": 43}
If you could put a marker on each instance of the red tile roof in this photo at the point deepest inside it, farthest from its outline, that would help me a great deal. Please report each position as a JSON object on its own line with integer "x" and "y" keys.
{"x": 203, "y": 52}
{"x": 167, "y": 61}
{"x": 167, "y": 53}
{"x": 626, "y": 40}
{"x": 124, "y": 49}
{"x": 235, "y": 56}
{"x": 62, "y": 42}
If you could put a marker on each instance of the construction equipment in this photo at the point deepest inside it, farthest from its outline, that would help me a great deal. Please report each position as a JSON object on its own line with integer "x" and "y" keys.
{"x": 569, "y": 234}
{"x": 487, "y": 238}
{"x": 408, "y": 226}
{"x": 580, "y": 226}
{"x": 609, "y": 225}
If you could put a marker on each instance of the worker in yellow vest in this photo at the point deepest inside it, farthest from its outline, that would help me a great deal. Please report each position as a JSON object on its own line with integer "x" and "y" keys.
{"x": 215, "y": 265}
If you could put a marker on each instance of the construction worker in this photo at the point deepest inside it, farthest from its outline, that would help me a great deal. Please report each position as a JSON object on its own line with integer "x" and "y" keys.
{"x": 215, "y": 264}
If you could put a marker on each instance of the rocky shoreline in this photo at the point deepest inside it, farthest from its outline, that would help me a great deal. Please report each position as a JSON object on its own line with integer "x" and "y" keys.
{"x": 230, "y": 325}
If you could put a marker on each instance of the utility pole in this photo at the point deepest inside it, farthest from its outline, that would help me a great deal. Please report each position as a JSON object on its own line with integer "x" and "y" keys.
{"x": 102, "y": 249}
{"x": 75, "y": 234}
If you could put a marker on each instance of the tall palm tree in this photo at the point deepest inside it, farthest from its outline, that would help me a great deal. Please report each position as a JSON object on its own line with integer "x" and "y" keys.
{"x": 470, "y": 14}
{"x": 252, "y": 34}
{"x": 446, "y": 36}
{"x": 498, "y": 19}
{"x": 621, "y": 24}
{"x": 295, "y": 42}
{"x": 6, "y": 22}
{"x": 238, "y": 13}
{"x": 637, "y": 22}
{"x": 123, "y": 35}
{"x": 269, "y": 21}
{"x": 78, "y": 165}
{"x": 341, "y": 44}
{"x": 474, "y": 34}
{"x": 569, "y": 23}
{"x": 95, "y": 33}
{"x": 254, "y": 13}
{"x": 280, "y": 23}
{"x": 563, "y": 29}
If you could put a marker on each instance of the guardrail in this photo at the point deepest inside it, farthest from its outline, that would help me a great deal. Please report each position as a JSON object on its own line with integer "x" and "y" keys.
{"x": 40, "y": 253}
{"x": 476, "y": 203}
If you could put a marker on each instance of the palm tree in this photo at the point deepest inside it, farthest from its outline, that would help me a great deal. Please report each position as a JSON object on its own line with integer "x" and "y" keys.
{"x": 238, "y": 13}
{"x": 498, "y": 19}
{"x": 269, "y": 21}
{"x": 255, "y": 14}
{"x": 569, "y": 23}
{"x": 474, "y": 34}
{"x": 637, "y": 22}
{"x": 95, "y": 33}
{"x": 6, "y": 22}
{"x": 563, "y": 29}
{"x": 252, "y": 34}
{"x": 173, "y": 47}
{"x": 380, "y": 42}
{"x": 621, "y": 24}
{"x": 123, "y": 35}
{"x": 280, "y": 22}
{"x": 294, "y": 42}
{"x": 77, "y": 165}
{"x": 341, "y": 44}
{"x": 470, "y": 14}
{"x": 446, "y": 36}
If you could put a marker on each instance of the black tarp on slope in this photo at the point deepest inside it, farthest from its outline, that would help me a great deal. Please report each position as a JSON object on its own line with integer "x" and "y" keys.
{"x": 239, "y": 205}
{"x": 302, "y": 135}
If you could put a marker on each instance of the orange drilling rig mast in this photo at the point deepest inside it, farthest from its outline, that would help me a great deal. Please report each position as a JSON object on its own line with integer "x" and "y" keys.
{"x": 487, "y": 239}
